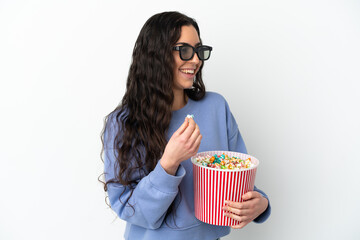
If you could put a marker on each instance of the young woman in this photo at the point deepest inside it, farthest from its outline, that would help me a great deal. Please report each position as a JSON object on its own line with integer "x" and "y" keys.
{"x": 147, "y": 139}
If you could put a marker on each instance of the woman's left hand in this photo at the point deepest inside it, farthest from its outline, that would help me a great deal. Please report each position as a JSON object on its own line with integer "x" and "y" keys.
{"x": 254, "y": 204}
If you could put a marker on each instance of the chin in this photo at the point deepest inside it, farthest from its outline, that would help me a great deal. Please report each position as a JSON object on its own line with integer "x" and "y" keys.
{"x": 184, "y": 83}
{"x": 188, "y": 86}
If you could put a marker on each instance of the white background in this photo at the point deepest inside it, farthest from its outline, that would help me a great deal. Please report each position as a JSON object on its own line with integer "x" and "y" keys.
{"x": 289, "y": 70}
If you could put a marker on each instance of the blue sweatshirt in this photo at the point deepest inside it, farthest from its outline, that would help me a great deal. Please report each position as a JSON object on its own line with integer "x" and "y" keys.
{"x": 155, "y": 192}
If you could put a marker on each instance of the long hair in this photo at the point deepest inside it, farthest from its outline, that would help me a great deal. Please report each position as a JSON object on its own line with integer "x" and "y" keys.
{"x": 144, "y": 113}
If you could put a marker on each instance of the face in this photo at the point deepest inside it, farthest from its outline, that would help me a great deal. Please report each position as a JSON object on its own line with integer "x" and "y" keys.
{"x": 185, "y": 71}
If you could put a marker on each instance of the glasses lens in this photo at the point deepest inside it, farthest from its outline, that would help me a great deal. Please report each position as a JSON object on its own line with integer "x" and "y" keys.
{"x": 204, "y": 53}
{"x": 186, "y": 52}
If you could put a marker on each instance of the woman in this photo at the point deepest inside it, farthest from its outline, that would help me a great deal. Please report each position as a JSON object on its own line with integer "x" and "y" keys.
{"x": 147, "y": 140}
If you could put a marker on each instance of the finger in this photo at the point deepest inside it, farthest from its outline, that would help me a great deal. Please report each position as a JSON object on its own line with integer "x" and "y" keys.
{"x": 195, "y": 134}
{"x": 232, "y": 210}
{"x": 236, "y": 217}
{"x": 197, "y": 143}
{"x": 232, "y": 216}
{"x": 232, "y": 204}
{"x": 237, "y": 211}
{"x": 241, "y": 225}
{"x": 193, "y": 143}
{"x": 239, "y": 205}
{"x": 245, "y": 205}
{"x": 237, "y": 226}
{"x": 182, "y": 128}
{"x": 250, "y": 195}
{"x": 190, "y": 129}
{"x": 246, "y": 213}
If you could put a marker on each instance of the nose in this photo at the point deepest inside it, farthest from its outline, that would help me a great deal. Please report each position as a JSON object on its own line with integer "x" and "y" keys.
{"x": 195, "y": 59}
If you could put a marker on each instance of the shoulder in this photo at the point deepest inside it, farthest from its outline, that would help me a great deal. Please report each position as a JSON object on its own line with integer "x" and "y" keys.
{"x": 213, "y": 97}
{"x": 112, "y": 126}
{"x": 212, "y": 104}
{"x": 112, "y": 120}
{"x": 215, "y": 100}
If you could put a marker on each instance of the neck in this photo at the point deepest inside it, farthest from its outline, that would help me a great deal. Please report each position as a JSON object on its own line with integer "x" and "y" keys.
{"x": 180, "y": 100}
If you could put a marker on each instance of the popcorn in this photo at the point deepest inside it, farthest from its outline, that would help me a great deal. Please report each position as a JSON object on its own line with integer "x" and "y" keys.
{"x": 223, "y": 162}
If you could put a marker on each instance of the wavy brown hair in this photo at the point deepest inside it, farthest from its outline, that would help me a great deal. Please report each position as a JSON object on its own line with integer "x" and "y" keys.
{"x": 144, "y": 114}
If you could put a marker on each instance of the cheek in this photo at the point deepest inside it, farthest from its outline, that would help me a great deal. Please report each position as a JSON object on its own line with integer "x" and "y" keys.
{"x": 178, "y": 64}
{"x": 198, "y": 68}
{"x": 177, "y": 60}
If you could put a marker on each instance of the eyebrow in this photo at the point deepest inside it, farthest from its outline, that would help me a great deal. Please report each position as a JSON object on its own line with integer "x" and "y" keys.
{"x": 196, "y": 45}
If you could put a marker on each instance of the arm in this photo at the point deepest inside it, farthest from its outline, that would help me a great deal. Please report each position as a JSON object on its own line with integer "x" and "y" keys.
{"x": 256, "y": 205}
{"x": 151, "y": 197}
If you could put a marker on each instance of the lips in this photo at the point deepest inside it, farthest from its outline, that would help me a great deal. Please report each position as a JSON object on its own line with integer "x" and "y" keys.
{"x": 187, "y": 71}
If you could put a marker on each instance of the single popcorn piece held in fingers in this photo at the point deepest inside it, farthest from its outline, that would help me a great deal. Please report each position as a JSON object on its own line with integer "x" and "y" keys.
{"x": 190, "y": 116}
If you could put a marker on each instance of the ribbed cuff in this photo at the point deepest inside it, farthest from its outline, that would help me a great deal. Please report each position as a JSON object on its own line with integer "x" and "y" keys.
{"x": 265, "y": 215}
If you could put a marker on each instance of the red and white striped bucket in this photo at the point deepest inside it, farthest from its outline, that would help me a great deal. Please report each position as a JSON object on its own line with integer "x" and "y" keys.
{"x": 213, "y": 186}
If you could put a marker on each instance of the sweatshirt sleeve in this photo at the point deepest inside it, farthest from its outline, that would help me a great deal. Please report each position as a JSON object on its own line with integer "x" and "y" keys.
{"x": 235, "y": 140}
{"x": 151, "y": 197}
{"x": 266, "y": 214}
{"x": 236, "y": 144}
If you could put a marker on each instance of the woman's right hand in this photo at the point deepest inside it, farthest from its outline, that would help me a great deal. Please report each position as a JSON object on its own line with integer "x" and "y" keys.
{"x": 183, "y": 144}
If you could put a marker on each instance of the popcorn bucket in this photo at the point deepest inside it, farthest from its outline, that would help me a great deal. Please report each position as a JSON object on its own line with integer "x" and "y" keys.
{"x": 213, "y": 186}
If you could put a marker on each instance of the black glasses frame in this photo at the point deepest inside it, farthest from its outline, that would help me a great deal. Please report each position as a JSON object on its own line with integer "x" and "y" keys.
{"x": 195, "y": 50}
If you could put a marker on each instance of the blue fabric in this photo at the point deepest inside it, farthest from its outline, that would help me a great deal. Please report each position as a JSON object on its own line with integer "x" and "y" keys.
{"x": 155, "y": 192}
